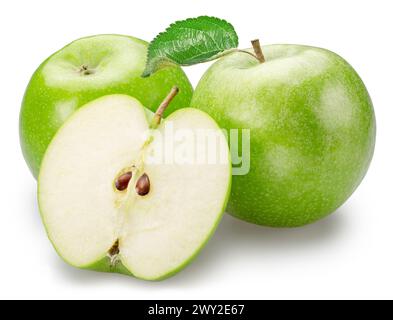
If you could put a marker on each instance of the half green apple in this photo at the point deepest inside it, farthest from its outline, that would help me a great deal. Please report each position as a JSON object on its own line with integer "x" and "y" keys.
{"x": 121, "y": 191}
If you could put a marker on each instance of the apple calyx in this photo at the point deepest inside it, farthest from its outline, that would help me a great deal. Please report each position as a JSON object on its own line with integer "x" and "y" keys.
{"x": 84, "y": 70}
{"x": 113, "y": 253}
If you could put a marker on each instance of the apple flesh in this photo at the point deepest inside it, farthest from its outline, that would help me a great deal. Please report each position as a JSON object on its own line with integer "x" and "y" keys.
{"x": 106, "y": 208}
{"x": 86, "y": 70}
{"x": 312, "y": 131}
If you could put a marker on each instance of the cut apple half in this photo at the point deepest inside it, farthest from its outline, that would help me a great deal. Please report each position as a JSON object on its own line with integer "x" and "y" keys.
{"x": 113, "y": 198}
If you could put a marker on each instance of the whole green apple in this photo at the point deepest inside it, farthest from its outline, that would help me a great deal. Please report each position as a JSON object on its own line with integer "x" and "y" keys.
{"x": 312, "y": 128}
{"x": 86, "y": 70}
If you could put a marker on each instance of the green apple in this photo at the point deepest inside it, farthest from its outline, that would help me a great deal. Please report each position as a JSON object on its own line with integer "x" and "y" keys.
{"x": 107, "y": 207}
{"x": 312, "y": 129}
{"x": 83, "y": 71}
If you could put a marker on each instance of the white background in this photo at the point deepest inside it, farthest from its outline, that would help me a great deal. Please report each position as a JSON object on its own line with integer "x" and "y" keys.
{"x": 347, "y": 255}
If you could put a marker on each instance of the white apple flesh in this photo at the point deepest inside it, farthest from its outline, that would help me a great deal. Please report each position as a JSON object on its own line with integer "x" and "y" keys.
{"x": 94, "y": 225}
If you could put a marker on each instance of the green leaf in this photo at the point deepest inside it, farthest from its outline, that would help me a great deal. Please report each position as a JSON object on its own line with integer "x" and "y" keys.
{"x": 189, "y": 42}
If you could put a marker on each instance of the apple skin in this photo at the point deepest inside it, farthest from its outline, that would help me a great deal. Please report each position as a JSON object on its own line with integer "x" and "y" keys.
{"x": 312, "y": 125}
{"x": 56, "y": 89}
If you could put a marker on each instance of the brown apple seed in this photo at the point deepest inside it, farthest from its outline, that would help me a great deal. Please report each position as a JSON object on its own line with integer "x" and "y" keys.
{"x": 123, "y": 181}
{"x": 143, "y": 185}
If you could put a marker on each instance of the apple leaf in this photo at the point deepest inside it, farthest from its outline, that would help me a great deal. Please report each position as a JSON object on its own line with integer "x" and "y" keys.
{"x": 189, "y": 42}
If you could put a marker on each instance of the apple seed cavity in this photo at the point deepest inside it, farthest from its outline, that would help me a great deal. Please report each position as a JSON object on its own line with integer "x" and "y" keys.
{"x": 143, "y": 185}
{"x": 122, "y": 181}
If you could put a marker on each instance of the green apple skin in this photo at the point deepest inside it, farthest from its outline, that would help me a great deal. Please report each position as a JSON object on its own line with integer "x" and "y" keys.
{"x": 59, "y": 86}
{"x": 312, "y": 125}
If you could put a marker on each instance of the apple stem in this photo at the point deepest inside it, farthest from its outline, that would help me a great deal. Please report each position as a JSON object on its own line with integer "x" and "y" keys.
{"x": 161, "y": 109}
{"x": 258, "y": 50}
